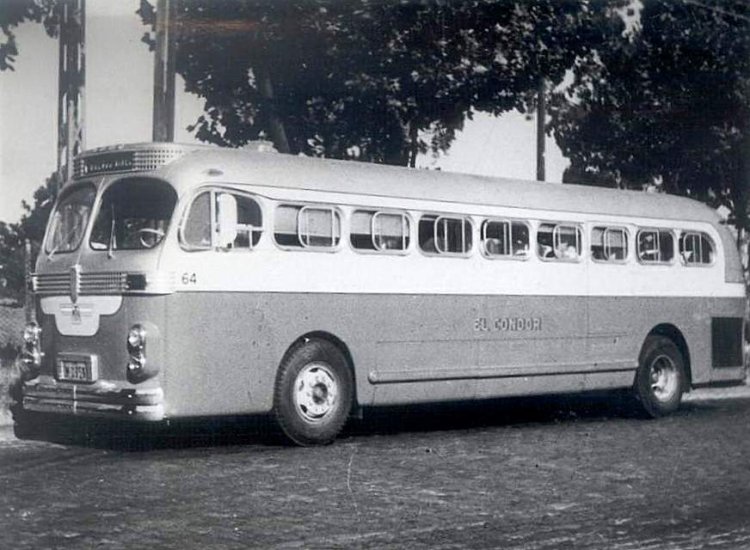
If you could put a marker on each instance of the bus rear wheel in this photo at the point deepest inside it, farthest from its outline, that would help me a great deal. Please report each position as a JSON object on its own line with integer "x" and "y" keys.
{"x": 660, "y": 378}
{"x": 313, "y": 393}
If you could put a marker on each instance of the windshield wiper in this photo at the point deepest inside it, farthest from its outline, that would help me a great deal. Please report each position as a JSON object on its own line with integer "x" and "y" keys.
{"x": 110, "y": 248}
{"x": 54, "y": 249}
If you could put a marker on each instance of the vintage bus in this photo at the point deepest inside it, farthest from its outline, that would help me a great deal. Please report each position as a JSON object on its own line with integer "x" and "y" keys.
{"x": 181, "y": 281}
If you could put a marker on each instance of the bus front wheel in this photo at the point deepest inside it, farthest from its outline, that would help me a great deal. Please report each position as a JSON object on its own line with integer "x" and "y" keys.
{"x": 313, "y": 393}
{"x": 660, "y": 378}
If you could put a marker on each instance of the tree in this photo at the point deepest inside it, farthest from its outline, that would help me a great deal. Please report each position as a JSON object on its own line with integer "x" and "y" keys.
{"x": 668, "y": 104}
{"x": 14, "y": 236}
{"x": 15, "y": 12}
{"x": 372, "y": 80}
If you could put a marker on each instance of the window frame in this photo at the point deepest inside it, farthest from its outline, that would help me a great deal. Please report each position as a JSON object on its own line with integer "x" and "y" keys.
{"x": 446, "y": 216}
{"x": 606, "y": 229}
{"x": 374, "y": 212}
{"x": 510, "y": 222}
{"x": 335, "y": 216}
{"x": 699, "y": 235}
{"x": 336, "y": 211}
{"x": 93, "y": 212}
{"x": 580, "y": 240}
{"x": 657, "y": 230}
{"x": 212, "y": 190}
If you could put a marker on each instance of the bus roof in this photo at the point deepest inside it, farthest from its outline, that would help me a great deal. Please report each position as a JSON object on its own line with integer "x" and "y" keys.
{"x": 360, "y": 178}
{"x": 191, "y": 163}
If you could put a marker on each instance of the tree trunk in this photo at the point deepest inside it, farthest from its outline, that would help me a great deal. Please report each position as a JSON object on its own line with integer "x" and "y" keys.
{"x": 413, "y": 144}
{"x": 739, "y": 194}
{"x": 275, "y": 128}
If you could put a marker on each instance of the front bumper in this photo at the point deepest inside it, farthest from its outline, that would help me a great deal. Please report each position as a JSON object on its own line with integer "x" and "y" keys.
{"x": 96, "y": 400}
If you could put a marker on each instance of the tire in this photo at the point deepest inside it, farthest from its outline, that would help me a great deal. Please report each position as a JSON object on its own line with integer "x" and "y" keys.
{"x": 660, "y": 378}
{"x": 313, "y": 393}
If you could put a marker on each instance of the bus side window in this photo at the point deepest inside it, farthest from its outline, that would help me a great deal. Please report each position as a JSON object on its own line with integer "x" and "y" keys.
{"x": 319, "y": 227}
{"x": 655, "y": 246}
{"x": 559, "y": 242}
{"x": 696, "y": 248}
{"x": 445, "y": 235}
{"x": 196, "y": 233}
{"x": 246, "y": 219}
{"x": 390, "y": 231}
{"x": 360, "y": 230}
{"x": 609, "y": 244}
{"x": 311, "y": 227}
{"x": 240, "y": 215}
{"x": 504, "y": 238}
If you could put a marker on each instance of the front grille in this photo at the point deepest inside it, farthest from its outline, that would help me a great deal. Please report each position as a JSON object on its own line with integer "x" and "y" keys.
{"x": 102, "y": 283}
{"x": 51, "y": 283}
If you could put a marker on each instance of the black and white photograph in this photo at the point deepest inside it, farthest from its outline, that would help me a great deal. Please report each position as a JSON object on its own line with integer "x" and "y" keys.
{"x": 335, "y": 274}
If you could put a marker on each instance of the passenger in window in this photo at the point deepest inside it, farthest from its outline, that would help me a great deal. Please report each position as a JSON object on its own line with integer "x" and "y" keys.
{"x": 568, "y": 252}
{"x": 521, "y": 248}
{"x": 546, "y": 251}
{"x": 390, "y": 243}
{"x": 493, "y": 247}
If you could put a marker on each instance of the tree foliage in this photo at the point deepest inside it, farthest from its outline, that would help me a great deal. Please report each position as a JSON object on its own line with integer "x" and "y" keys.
{"x": 15, "y": 12}
{"x": 373, "y": 80}
{"x": 13, "y": 237}
{"x": 667, "y": 104}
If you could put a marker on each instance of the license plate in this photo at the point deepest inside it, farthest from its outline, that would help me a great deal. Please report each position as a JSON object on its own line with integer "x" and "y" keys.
{"x": 76, "y": 370}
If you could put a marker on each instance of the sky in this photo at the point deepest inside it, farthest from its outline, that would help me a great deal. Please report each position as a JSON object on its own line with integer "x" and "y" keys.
{"x": 118, "y": 104}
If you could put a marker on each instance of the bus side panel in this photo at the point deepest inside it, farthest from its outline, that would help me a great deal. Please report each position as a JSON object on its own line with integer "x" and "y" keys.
{"x": 489, "y": 343}
{"x": 225, "y": 348}
{"x": 220, "y": 347}
{"x": 626, "y": 321}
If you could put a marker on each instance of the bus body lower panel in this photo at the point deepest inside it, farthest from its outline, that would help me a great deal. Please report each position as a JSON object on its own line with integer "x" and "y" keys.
{"x": 109, "y": 394}
{"x": 224, "y": 349}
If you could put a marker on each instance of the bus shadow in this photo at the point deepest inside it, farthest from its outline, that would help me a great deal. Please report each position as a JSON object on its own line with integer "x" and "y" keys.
{"x": 491, "y": 413}
{"x": 132, "y": 437}
{"x": 260, "y": 431}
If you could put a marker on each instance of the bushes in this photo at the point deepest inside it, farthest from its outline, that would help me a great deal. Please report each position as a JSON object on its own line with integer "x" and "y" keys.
{"x": 8, "y": 371}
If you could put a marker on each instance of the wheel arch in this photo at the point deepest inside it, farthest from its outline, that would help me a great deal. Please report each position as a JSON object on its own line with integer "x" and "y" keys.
{"x": 342, "y": 347}
{"x": 668, "y": 330}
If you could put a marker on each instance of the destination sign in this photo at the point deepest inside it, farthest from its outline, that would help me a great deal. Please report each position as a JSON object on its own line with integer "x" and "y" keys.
{"x": 117, "y": 161}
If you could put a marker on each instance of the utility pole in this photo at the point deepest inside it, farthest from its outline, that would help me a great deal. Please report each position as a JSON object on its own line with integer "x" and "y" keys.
{"x": 164, "y": 72}
{"x": 541, "y": 113}
{"x": 71, "y": 84}
{"x": 28, "y": 299}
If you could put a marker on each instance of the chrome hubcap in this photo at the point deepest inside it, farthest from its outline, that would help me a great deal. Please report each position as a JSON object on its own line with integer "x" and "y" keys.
{"x": 663, "y": 378}
{"x": 316, "y": 392}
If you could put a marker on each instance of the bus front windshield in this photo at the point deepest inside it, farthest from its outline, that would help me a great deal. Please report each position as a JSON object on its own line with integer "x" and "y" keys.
{"x": 70, "y": 219}
{"x": 134, "y": 214}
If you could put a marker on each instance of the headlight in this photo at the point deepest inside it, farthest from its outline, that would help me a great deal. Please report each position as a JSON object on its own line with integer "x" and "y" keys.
{"x": 138, "y": 368}
{"x": 31, "y": 333}
{"x": 31, "y": 357}
{"x": 136, "y": 339}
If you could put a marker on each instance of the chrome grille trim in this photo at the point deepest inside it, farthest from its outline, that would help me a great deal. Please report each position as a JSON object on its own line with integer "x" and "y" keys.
{"x": 103, "y": 283}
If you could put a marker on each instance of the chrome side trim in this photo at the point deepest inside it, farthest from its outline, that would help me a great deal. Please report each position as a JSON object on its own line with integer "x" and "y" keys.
{"x": 515, "y": 371}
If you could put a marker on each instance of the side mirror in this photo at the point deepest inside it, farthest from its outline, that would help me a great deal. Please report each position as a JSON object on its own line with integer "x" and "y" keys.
{"x": 226, "y": 220}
